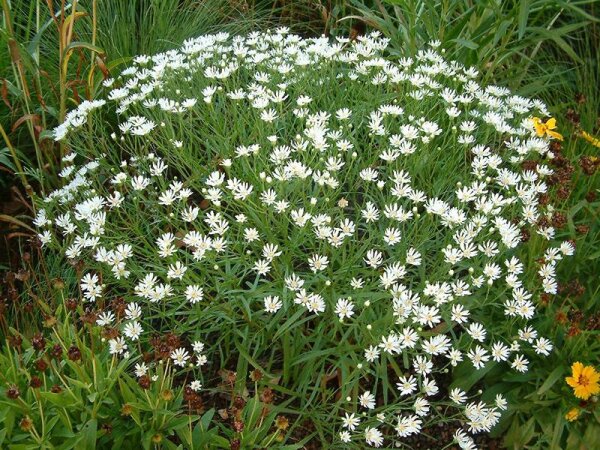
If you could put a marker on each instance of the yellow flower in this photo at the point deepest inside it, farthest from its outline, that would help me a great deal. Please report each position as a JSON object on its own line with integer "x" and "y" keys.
{"x": 584, "y": 381}
{"x": 572, "y": 415}
{"x": 591, "y": 139}
{"x": 547, "y": 128}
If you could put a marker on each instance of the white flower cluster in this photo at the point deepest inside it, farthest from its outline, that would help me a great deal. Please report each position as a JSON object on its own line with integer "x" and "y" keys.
{"x": 404, "y": 205}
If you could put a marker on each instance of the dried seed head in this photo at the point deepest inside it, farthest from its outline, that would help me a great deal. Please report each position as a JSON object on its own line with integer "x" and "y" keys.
{"x": 126, "y": 409}
{"x": 15, "y": 341}
{"x": 267, "y": 395}
{"x": 38, "y": 341}
{"x": 74, "y": 354}
{"x": 256, "y": 375}
{"x": 71, "y": 304}
{"x": 26, "y": 424}
{"x": 282, "y": 423}
{"x": 41, "y": 365}
{"x": 572, "y": 116}
{"x": 35, "y": 382}
{"x": 144, "y": 382}
{"x": 56, "y": 351}
{"x": 238, "y": 426}
{"x": 58, "y": 284}
{"x": 13, "y": 392}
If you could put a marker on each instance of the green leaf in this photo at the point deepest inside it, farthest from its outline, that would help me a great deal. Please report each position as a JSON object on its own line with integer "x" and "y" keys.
{"x": 88, "y": 436}
{"x": 554, "y": 376}
{"x": 86, "y": 45}
{"x": 559, "y": 425}
{"x": 523, "y": 17}
{"x": 466, "y": 43}
{"x": 465, "y": 377}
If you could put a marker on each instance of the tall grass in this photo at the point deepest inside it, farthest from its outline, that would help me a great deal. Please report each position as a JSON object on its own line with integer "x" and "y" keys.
{"x": 59, "y": 52}
{"x": 507, "y": 40}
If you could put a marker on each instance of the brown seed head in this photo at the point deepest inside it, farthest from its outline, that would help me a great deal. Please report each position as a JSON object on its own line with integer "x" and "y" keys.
{"x": 71, "y": 304}
{"x": 144, "y": 382}
{"x": 267, "y": 395}
{"x": 282, "y": 423}
{"x": 38, "y": 341}
{"x": 74, "y": 354}
{"x": 15, "y": 341}
{"x": 238, "y": 426}
{"x": 26, "y": 424}
{"x": 13, "y": 392}
{"x": 41, "y": 365}
{"x": 256, "y": 375}
{"x": 35, "y": 382}
{"x": 167, "y": 395}
{"x": 56, "y": 351}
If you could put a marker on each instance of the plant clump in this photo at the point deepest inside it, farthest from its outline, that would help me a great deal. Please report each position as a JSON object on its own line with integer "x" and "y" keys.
{"x": 384, "y": 211}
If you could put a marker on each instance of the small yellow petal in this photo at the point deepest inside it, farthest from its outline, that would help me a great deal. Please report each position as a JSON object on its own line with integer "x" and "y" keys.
{"x": 571, "y": 382}
{"x": 555, "y": 135}
{"x": 572, "y": 415}
{"x": 591, "y": 139}
{"x": 582, "y": 392}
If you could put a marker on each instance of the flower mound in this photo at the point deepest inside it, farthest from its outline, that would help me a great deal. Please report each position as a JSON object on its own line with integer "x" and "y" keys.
{"x": 391, "y": 207}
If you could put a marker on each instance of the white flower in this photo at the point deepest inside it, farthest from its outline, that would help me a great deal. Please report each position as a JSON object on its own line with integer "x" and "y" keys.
{"x": 133, "y": 330}
{"x": 176, "y": 271}
{"x": 357, "y": 283}
{"x": 478, "y": 356}
{"x": 105, "y": 318}
{"x": 501, "y": 402}
{"x": 117, "y": 346}
{"x": 194, "y": 293}
{"x": 543, "y": 346}
{"x": 344, "y": 308}
{"x": 180, "y": 357}
{"x": 141, "y": 369}
{"x": 520, "y": 363}
{"x": 372, "y": 353}
{"x": 458, "y": 396}
{"x": 272, "y": 304}
{"x": 198, "y": 346}
{"x": 345, "y": 436}
{"x": 407, "y": 386}
{"x": 350, "y": 421}
{"x": 373, "y": 437}
{"x": 318, "y": 263}
{"x": 367, "y": 400}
